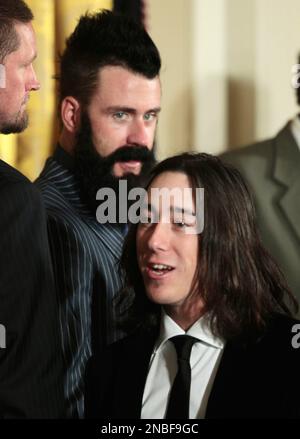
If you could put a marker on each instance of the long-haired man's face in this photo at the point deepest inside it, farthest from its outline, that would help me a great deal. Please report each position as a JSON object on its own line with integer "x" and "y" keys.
{"x": 168, "y": 255}
{"x": 20, "y": 79}
{"x": 116, "y": 135}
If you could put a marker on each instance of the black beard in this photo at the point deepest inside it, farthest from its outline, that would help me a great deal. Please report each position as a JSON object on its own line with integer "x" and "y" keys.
{"x": 95, "y": 172}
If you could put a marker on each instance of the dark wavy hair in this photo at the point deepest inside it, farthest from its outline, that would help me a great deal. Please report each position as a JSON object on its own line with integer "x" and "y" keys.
{"x": 239, "y": 282}
{"x": 101, "y": 39}
{"x": 11, "y": 12}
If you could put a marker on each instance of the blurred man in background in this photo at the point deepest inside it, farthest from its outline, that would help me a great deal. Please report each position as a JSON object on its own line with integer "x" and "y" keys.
{"x": 30, "y": 360}
{"x": 272, "y": 170}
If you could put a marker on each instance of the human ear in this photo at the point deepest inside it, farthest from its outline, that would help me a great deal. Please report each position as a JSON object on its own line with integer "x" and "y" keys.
{"x": 70, "y": 113}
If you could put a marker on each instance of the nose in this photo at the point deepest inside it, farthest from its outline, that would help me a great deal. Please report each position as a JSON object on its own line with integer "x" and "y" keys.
{"x": 33, "y": 82}
{"x": 159, "y": 237}
{"x": 138, "y": 133}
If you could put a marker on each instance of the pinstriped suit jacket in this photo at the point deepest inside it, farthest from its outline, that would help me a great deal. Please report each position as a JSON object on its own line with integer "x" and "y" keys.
{"x": 85, "y": 259}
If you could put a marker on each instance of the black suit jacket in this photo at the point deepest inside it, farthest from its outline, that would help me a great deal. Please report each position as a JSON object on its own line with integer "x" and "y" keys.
{"x": 30, "y": 357}
{"x": 258, "y": 379}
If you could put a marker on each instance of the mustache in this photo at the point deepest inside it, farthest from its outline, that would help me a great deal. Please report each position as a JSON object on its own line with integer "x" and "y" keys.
{"x": 126, "y": 153}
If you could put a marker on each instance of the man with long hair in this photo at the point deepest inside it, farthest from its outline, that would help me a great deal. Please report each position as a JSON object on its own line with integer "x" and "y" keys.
{"x": 207, "y": 310}
{"x": 30, "y": 356}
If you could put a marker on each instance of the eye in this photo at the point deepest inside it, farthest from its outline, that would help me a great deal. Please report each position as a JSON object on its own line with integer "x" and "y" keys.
{"x": 150, "y": 116}
{"x": 120, "y": 115}
{"x": 181, "y": 223}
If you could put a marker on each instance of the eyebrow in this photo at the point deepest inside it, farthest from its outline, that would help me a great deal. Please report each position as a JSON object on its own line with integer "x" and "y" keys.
{"x": 184, "y": 211}
{"x": 130, "y": 110}
{"x": 174, "y": 209}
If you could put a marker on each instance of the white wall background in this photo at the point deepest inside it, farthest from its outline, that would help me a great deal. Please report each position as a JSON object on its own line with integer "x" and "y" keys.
{"x": 226, "y": 73}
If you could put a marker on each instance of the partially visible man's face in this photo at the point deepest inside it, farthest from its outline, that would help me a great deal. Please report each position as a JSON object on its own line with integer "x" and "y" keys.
{"x": 20, "y": 79}
{"x": 117, "y": 131}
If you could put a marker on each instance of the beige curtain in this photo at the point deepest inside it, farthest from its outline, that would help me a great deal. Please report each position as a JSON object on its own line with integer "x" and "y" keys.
{"x": 54, "y": 21}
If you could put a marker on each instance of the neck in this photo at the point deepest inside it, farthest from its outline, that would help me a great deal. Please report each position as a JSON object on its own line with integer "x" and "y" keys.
{"x": 67, "y": 141}
{"x": 186, "y": 314}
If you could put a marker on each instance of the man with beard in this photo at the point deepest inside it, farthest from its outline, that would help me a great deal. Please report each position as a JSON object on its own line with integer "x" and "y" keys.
{"x": 30, "y": 365}
{"x": 109, "y": 99}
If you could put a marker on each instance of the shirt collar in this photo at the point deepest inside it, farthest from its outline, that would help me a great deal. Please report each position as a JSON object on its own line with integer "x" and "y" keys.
{"x": 295, "y": 128}
{"x": 200, "y": 330}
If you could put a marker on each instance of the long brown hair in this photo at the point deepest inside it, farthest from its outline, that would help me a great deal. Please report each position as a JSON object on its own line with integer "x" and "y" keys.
{"x": 239, "y": 282}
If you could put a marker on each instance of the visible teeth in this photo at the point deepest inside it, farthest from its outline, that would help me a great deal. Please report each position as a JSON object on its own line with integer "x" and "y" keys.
{"x": 161, "y": 267}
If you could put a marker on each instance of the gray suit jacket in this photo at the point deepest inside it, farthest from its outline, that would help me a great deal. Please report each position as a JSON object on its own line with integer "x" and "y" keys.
{"x": 85, "y": 260}
{"x": 272, "y": 169}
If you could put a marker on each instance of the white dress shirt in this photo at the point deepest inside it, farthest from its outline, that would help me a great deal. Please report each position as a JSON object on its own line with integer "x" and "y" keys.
{"x": 204, "y": 360}
{"x": 295, "y": 128}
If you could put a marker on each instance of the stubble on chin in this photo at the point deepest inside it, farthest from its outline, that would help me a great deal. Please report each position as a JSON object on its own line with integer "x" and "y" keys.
{"x": 16, "y": 125}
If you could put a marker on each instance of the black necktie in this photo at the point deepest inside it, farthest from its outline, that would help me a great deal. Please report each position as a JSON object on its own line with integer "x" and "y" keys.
{"x": 179, "y": 400}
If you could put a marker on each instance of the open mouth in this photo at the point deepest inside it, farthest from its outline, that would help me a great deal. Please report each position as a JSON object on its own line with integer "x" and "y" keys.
{"x": 158, "y": 270}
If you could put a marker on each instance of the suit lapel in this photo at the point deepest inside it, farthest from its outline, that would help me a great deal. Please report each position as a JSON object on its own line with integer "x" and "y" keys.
{"x": 238, "y": 382}
{"x": 221, "y": 400}
{"x": 287, "y": 172}
{"x": 132, "y": 375}
{"x": 246, "y": 384}
{"x": 290, "y": 203}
